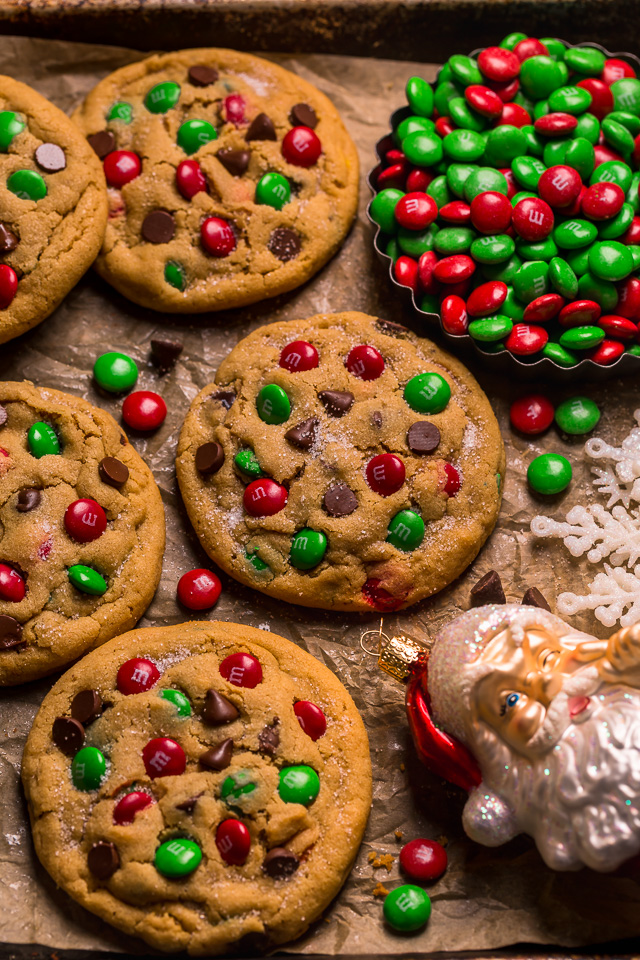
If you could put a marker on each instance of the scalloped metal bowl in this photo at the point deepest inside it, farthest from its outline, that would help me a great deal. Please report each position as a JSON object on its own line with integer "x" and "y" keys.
{"x": 503, "y": 362}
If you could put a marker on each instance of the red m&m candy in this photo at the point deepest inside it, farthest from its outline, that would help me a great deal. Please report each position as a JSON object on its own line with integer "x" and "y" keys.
{"x": 311, "y": 718}
{"x": 608, "y": 352}
{"x": 121, "y": 167}
{"x": 264, "y": 498}
{"x": 453, "y": 481}
{"x": 217, "y": 237}
{"x": 144, "y": 410}
{"x": 365, "y": 362}
{"x": 629, "y": 298}
{"x": 136, "y": 676}
{"x": 375, "y": 594}
{"x": 301, "y": 147}
{"x": 242, "y": 670}
{"x": 514, "y": 115}
{"x": 419, "y": 180}
{"x": 532, "y": 414}
{"x": 385, "y": 474}
{"x": 405, "y": 270}
{"x": 453, "y": 269}
{"x": 555, "y": 124}
{"x": 423, "y": 859}
{"x": 199, "y": 589}
{"x": 12, "y": 586}
{"x": 443, "y": 127}
{"x": 533, "y": 219}
{"x": 602, "y": 201}
{"x": 543, "y": 308}
{"x": 559, "y": 185}
{"x": 491, "y": 212}
{"x": 526, "y": 339}
{"x": 601, "y": 96}
{"x": 615, "y": 69}
{"x": 416, "y": 211}
{"x": 85, "y": 520}
{"x": 579, "y": 313}
{"x": 455, "y": 212}
{"x": 486, "y": 298}
{"x": 455, "y": 319}
{"x": 426, "y": 278}
{"x": 499, "y": 64}
{"x": 8, "y": 285}
{"x": 163, "y": 757}
{"x": 233, "y": 840}
{"x": 190, "y": 179}
{"x": 484, "y": 101}
{"x": 506, "y": 91}
{"x": 126, "y": 808}
{"x": 233, "y": 107}
{"x": 530, "y": 47}
{"x": 299, "y": 355}
{"x": 618, "y": 327}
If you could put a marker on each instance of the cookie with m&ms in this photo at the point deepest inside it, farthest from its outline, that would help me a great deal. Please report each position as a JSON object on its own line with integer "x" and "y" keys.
{"x": 209, "y": 772}
{"x": 53, "y": 207}
{"x": 341, "y": 462}
{"x": 230, "y": 179}
{"x": 81, "y": 531}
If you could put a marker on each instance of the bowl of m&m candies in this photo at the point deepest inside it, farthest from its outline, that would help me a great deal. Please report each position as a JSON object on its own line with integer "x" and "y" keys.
{"x": 506, "y": 205}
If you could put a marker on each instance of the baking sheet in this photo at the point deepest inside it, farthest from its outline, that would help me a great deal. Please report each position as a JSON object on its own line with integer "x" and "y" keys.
{"x": 487, "y": 899}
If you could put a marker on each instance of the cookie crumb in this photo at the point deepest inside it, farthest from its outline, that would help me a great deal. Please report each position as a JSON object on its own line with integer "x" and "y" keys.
{"x": 398, "y": 834}
{"x": 380, "y": 890}
{"x": 381, "y": 860}
{"x": 443, "y": 841}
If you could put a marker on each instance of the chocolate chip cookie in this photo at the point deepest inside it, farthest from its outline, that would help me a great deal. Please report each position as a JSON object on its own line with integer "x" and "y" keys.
{"x": 198, "y": 784}
{"x": 341, "y": 462}
{"x": 53, "y": 207}
{"x": 230, "y": 179}
{"x": 81, "y": 531}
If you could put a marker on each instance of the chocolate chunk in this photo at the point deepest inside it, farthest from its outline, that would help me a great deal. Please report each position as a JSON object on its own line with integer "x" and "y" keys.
{"x": 158, "y": 227}
{"x": 303, "y": 434}
{"x": 103, "y": 859}
{"x": 165, "y": 353}
{"x": 423, "y": 437}
{"x": 261, "y": 128}
{"x": 218, "y": 710}
{"x": 225, "y": 397}
{"x": 284, "y": 244}
{"x": 280, "y": 863}
{"x": 28, "y": 499}
{"x": 209, "y": 458}
{"x": 68, "y": 735}
{"x": 376, "y": 419}
{"x": 113, "y": 471}
{"x": 50, "y": 157}
{"x": 8, "y": 239}
{"x": 86, "y": 706}
{"x": 533, "y": 598}
{"x": 218, "y": 757}
{"x": 303, "y": 115}
{"x": 488, "y": 589}
{"x": 103, "y": 143}
{"x": 336, "y": 402}
{"x": 235, "y": 161}
{"x": 187, "y": 805}
{"x": 340, "y": 501}
{"x": 393, "y": 329}
{"x": 201, "y": 76}
{"x": 269, "y": 738}
{"x": 10, "y": 633}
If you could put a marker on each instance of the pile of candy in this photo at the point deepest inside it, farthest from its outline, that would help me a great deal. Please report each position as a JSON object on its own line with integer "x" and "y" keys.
{"x": 509, "y": 202}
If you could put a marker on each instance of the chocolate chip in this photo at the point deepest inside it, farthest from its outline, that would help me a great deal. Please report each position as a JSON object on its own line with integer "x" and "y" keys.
{"x": 235, "y": 161}
{"x": 68, "y": 735}
{"x": 187, "y": 805}
{"x": 225, "y": 397}
{"x": 303, "y": 115}
{"x": 336, "y": 402}
{"x": 376, "y": 419}
{"x": 201, "y": 76}
{"x": 50, "y": 157}
{"x": 165, "y": 353}
{"x": 218, "y": 710}
{"x": 103, "y": 143}
{"x": 303, "y": 435}
{"x": 86, "y": 706}
{"x": 269, "y": 738}
{"x": 488, "y": 589}
{"x": 209, "y": 458}
{"x": 103, "y": 860}
{"x": 28, "y": 499}
{"x": 261, "y": 128}
{"x": 158, "y": 227}
{"x": 123, "y": 440}
{"x": 284, "y": 244}
{"x": 218, "y": 757}
{"x": 113, "y": 471}
{"x": 423, "y": 437}
{"x": 533, "y": 598}
{"x": 10, "y": 633}
{"x": 280, "y": 863}
{"x": 8, "y": 239}
{"x": 340, "y": 501}
{"x": 393, "y": 329}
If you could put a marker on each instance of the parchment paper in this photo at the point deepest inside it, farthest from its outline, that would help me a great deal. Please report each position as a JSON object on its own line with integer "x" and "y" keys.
{"x": 487, "y": 899}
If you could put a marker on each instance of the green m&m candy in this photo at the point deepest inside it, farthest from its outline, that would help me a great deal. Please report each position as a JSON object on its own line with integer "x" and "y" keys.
{"x": 423, "y": 148}
{"x": 504, "y": 144}
{"x": 407, "y": 908}
{"x": 236, "y": 787}
{"x": 616, "y": 226}
{"x": 247, "y": 463}
{"x": 535, "y": 144}
{"x": 577, "y": 415}
{"x": 504, "y": 271}
{"x": 578, "y": 260}
{"x": 617, "y": 136}
{"x": 115, "y": 372}
{"x": 162, "y": 97}
{"x": 256, "y": 562}
{"x": 464, "y": 117}
{"x": 194, "y": 134}
{"x": 451, "y": 240}
{"x": 558, "y": 354}
{"x": 527, "y": 171}
{"x": 464, "y": 70}
{"x": 628, "y": 120}
{"x": 613, "y": 171}
{"x": 178, "y": 699}
{"x": 427, "y": 393}
{"x": 585, "y": 60}
{"x": 490, "y": 329}
{"x": 87, "y": 580}
{"x": 554, "y": 153}
{"x": 416, "y": 242}
{"x": 610, "y": 260}
{"x": 572, "y": 100}
{"x": 540, "y": 76}
{"x": 273, "y": 404}
{"x": 512, "y": 40}
{"x": 483, "y": 179}
{"x": 174, "y": 275}
{"x": 273, "y": 190}
{"x": 595, "y": 288}
{"x": 445, "y": 91}
{"x": 308, "y": 547}
{"x": 177, "y": 858}
{"x": 10, "y": 126}
{"x": 413, "y": 125}
{"x": 573, "y": 234}
{"x": 511, "y": 307}
{"x": 457, "y": 175}
{"x": 556, "y": 48}
{"x": 27, "y": 184}
{"x": 88, "y": 768}
{"x": 120, "y": 111}
{"x": 299, "y": 784}
{"x": 562, "y": 278}
{"x": 542, "y": 250}
{"x": 420, "y": 96}
{"x": 582, "y": 338}
{"x": 549, "y": 473}
{"x": 382, "y": 209}
{"x": 406, "y": 530}
{"x": 581, "y": 156}
{"x": 531, "y": 280}
{"x": 493, "y": 249}
{"x": 626, "y": 95}
{"x": 439, "y": 190}
{"x": 462, "y": 146}
{"x": 42, "y": 440}
{"x": 588, "y": 127}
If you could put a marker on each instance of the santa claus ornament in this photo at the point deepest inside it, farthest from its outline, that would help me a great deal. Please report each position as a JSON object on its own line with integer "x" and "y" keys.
{"x": 540, "y": 723}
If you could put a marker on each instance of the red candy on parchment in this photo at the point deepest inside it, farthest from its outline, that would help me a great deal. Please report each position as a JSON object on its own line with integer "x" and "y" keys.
{"x": 532, "y": 414}
{"x": 423, "y": 860}
{"x": 144, "y": 410}
{"x": 199, "y": 589}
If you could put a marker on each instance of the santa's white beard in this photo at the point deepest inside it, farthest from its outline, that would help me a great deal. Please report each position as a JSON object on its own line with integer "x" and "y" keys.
{"x": 580, "y": 801}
